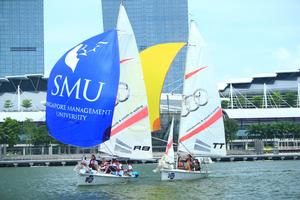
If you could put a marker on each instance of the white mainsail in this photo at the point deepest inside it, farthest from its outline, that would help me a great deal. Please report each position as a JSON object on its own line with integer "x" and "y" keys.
{"x": 130, "y": 134}
{"x": 169, "y": 152}
{"x": 201, "y": 129}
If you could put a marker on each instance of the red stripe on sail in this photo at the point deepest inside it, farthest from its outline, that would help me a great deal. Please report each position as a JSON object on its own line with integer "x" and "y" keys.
{"x": 168, "y": 147}
{"x": 194, "y": 72}
{"x": 132, "y": 120}
{"x": 205, "y": 125}
{"x": 124, "y": 60}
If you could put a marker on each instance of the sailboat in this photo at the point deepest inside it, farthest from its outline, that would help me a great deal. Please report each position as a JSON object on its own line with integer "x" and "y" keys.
{"x": 130, "y": 136}
{"x": 201, "y": 130}
{"x": 168, "y": 159}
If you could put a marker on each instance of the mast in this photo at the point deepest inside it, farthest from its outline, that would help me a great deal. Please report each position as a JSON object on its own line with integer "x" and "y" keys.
{"x": 265, "y": 96}
{"x": 231, "y": 96}
{"x": 298, "y": 94}
{"x": 19, "y": 98}
{"x": 187, "y": 45}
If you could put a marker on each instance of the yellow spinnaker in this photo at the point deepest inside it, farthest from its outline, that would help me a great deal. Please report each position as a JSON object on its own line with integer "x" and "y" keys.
{"x": 156, "y": 61}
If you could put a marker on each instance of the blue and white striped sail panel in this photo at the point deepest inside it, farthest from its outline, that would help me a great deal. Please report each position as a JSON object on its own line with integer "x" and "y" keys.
{"x": 82, "y": 90}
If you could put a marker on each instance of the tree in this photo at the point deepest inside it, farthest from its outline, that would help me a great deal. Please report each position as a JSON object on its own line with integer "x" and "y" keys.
{"x": 41, "y": 137}
{"x": 26, "y": 103}
{"x": 224, "y": 104}
{"x": 8, "y": 104}
{"x": 291, "y": 98}
{"x": 257, "y": 101}
{"x": 10, "y": 129}
{"x": 231, "y": 128}
{"x": 29, "y": 128}
{"x": 2, "y": 137}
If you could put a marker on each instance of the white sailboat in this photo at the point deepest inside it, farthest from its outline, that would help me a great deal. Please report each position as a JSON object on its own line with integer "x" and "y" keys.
{"x": 168, "y": 159}
{"x": 130, "y": 136}
{"x": 201, "y": 131}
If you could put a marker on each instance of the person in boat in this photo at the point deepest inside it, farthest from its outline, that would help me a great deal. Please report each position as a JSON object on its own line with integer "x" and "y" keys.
{"x": 189, "y": 163}
{"x": 93, "y": 163}
{"x": 129, "y": 169}
{"x": 119, "y": 170}
{"x": 84, "y": 161}
{"x": 197, "y": 166}
{"x": 112, "y": 168}
{"x": 104, "y": 165}
{"x": 180, "y": 164}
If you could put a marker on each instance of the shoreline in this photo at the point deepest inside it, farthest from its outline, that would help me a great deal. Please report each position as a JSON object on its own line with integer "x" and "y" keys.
{"x": 72, "y": 160}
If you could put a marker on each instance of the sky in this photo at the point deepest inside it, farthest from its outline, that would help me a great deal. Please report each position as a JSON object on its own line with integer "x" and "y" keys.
{"x": 244, "y": 37}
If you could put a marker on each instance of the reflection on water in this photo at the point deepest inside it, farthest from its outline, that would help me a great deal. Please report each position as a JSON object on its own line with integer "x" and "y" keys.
{"x": 233, "y": 180}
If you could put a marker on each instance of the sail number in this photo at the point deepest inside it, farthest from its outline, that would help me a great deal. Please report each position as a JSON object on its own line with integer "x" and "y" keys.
{"x": 218, "y": 144}
{"x": 143, "y": 148}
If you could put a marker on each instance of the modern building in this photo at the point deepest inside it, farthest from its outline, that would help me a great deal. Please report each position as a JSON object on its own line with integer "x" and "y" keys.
{"x": 264, "y": 98}
{"x": 155, "y": 22}
{"x": 21, "y": 37}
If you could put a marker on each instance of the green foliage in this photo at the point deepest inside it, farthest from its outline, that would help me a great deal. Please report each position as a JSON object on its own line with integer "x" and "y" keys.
{"x": 2, "y": 137}
{"x": 274, "y": 130}
{"x": 241, "y": 101}
{"x": 41, "y": 137}
{"x": 29, "y": 128}
{"x": 26, "y": 103}
{"x": 224, "y": 104}
{"x": 291, "y": 98}
{"x": 276, "y": 98}
{"x": 8, "y": 104}
{"x": 257, "y": 101}
{"x": 10, "y": 130}
{"x": 231, "y": 128}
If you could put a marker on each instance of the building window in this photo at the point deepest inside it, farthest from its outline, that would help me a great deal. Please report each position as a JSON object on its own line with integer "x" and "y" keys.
{"x": 22, "y": 48}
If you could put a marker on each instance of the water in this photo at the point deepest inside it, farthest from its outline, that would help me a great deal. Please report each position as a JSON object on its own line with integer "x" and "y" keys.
{"x": 235, "y": 180}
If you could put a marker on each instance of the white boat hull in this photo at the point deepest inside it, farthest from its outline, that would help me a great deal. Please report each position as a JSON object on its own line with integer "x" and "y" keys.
{"x": 179, "y": 174}
{"x": 102, "y": 179}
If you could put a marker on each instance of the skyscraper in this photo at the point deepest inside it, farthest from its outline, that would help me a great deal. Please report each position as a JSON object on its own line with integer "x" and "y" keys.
{"x": 154, "y": 22}
{"x": 21, "y": 37}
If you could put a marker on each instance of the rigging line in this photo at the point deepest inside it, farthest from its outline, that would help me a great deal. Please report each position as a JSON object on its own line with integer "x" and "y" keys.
{"x": 235, "y": 90}
{"x": 185, "y": 148}
{"x": 272, "y": 100}
{"x": 168, "y": 85}
{"x": 281, "y": 98}
{"x": 156, "y": 138}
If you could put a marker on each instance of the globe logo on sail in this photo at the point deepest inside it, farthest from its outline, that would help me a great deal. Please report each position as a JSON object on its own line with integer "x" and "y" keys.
{"x": 192, "y": 102}
{"x": 123, "y": 93}
{"x": 72, "y": 59}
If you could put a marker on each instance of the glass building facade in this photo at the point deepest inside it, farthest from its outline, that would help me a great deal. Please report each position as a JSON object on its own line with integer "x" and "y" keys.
{"x": 154, "y": 22}
{"x": 21, "y": 37}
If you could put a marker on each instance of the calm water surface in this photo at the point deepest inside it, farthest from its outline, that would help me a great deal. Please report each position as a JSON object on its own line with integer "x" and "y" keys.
{"x": 235, "y": 180}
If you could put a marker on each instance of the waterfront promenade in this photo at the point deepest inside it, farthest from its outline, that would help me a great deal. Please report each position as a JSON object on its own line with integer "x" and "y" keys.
{"x": 72, "y": 159}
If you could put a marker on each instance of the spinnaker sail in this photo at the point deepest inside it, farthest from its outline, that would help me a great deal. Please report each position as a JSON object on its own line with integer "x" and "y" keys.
{"x": 82, "y": 90}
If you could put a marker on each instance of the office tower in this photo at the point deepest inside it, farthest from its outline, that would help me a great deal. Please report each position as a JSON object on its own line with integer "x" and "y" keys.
{"x": 154, "y": 22}
{"x": 21, "y": 37}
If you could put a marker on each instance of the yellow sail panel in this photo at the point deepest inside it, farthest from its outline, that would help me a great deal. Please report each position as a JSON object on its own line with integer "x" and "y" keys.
{"x": 156, "y": 61}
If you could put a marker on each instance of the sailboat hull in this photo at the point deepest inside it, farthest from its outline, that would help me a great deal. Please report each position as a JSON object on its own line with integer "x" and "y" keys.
{"x": 102, "y": 179}
{"x": 178, "y": 174}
